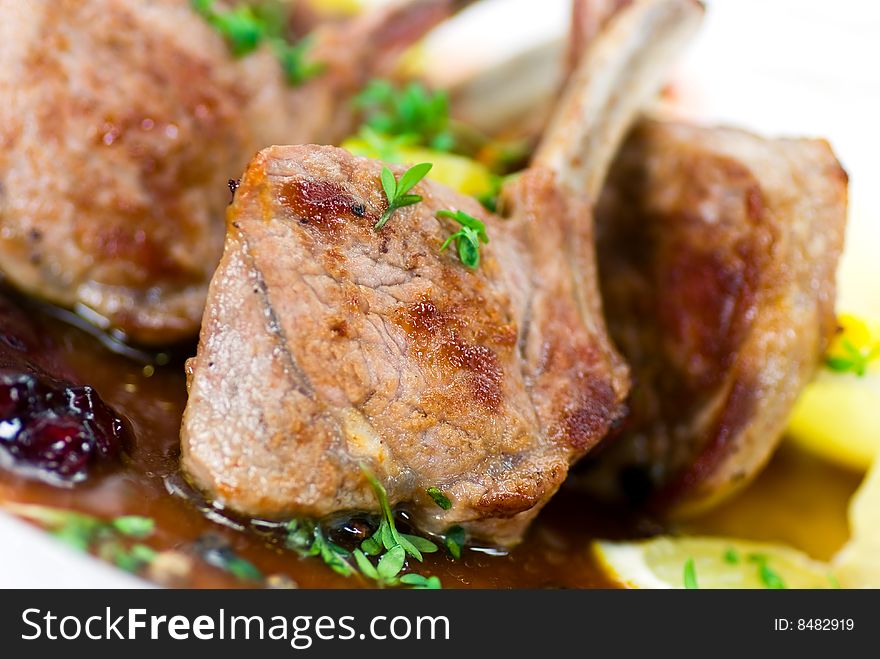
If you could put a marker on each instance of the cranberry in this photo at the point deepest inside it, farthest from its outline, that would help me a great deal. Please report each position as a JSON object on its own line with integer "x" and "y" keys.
{"x": 54, "y": 430}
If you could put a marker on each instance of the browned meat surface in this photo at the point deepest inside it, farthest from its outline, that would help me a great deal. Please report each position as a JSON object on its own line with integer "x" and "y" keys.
{"x": 121, "y": 122}
{"x": 717, "y": 252}
{"x": 328, "y": 345}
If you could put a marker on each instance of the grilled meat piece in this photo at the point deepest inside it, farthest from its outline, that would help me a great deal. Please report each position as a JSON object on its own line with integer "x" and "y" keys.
{"x": 717, "y": 253}
{"x": 327, "y": 345}
{"x": 121, "y": 122}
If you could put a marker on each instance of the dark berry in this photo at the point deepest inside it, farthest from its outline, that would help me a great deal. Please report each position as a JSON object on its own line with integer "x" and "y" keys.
{"x": 60, "y": 446}
{"x": 54, "y": 430}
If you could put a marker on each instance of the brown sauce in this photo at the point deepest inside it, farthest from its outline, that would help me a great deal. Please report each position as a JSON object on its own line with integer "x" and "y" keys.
{"x": 798, "y": 499}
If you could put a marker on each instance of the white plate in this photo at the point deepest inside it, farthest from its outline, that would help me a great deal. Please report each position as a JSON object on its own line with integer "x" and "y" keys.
{"x": 780, "y": 67}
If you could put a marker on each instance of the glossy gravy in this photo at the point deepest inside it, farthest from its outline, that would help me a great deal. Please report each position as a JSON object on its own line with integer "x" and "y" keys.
{"x": 798, "y": 499}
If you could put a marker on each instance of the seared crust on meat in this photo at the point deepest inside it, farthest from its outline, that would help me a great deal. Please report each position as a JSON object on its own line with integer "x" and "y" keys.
{"x": 327, "y": 345}
{"x": 119, "y": 125}
{"x": 717, "y": 251}
{"x": 121, "y": 122}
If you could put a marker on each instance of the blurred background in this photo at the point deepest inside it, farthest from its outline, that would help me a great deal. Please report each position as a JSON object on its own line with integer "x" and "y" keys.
{"x": 778, "y": 67}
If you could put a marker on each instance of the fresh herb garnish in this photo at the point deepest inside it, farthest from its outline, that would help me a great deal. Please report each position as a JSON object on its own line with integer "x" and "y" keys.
{"x": 134, "y": 526}
{"x": 848, "y": 358}
{"x": 387, "y": 535}
{"x": 412, "y": 112}
{"x": 87, "y": 533}
{"x": 419, "y": 582}
{"x": 388, "y": 546}
{"x": 295, "y": 62}
{"x": 769, "y": 577}
{"x": 134, "y": 559}
{"x": 307, "y": 539}
{"x": 242, "y": 569}
{"x": 731, "y": 556}
{"x": 439, "y": 498}
{"x": 489, "y": 199}
{"x": 455, "y": 540}
{"x": 690, "y": 575}
{"x": 397, "y": 190}
{"x": 246, "y": 26}
{"x": 468, "y": 238}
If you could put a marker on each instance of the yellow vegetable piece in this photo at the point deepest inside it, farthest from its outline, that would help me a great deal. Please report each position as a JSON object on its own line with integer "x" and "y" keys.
{"x": 857, "y": 336}
{"x": 718, "y": 563}
{"x": 344, "y": 7}
{"x": 838, "y": 415}
{"x": 858, "y": 563}
{"x": 459, "y": 173}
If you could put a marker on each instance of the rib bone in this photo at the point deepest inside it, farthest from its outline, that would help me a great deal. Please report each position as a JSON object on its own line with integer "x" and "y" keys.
{"x": 327, "y": 345}
{"x": 619, "y": 73}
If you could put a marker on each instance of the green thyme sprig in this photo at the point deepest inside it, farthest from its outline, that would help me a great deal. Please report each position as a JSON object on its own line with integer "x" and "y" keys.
{"x": 412, "y": 112}
{"x": 391, "y": 547}
{"x": 397, "y": 191}
{"x": 387, "y": 536}
{"x": 307, "y": 539}
{"x": 108, "y": 539}
{"x": 247, "y": 26}
{"x": 380, "y": 558}
{"x": 467, "y": 239}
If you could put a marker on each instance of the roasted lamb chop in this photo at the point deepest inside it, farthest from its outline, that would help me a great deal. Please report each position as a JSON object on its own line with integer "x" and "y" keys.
{"x": 717, "y": 254}
{"x": 121, "y": 122}
{"x": 328, "y": 346}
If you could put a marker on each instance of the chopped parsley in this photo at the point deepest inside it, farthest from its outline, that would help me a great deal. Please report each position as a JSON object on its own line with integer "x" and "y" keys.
{"x": 731, "y": 556}
{"x": 769, "y": 577}
{"x": 690, "y": 575}
{"x": 439, "y": 498}
{"x": 109, "y": 540}
{"x": 455, "y": 541}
